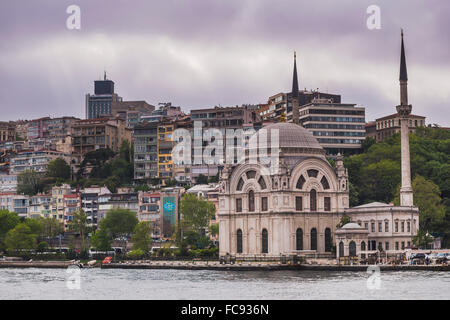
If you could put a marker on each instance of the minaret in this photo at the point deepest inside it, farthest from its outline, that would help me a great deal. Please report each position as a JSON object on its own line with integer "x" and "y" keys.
{"x": 295, "y": 107}
{"x": 404, "y": 110}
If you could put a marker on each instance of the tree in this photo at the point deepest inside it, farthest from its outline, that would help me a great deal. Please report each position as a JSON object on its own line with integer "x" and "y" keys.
{"x": 214, "y": 229}
{"x": 100, "y": 240}
{"x": 8, "y": 221}
{"x": 344, "y": 220}
{"x": 196, "y": 212}
{"x": 422, "y": 239}
{"x": 202, "y": 179}
{"x": 58, "y": 168}
{"x": 112, "y": 183}
{"x": 427, "y": 197}
{"x": 51, "y": 228}
{"x": 141, "y": 237}
{"x": 20, "y": 238}
{"x": 79, "y": 224}
{"x": 119, "y": 222}
{"x": 29, "y": 183}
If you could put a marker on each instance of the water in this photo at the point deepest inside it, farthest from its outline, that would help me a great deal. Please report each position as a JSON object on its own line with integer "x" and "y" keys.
{"x": 199, "y": 285}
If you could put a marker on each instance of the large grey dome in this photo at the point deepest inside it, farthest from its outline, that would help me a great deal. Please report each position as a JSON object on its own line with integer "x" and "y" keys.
{"x": 293, "y": 139}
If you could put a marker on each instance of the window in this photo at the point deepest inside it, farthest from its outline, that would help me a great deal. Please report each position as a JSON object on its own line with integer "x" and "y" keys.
{"x": 265, "y": 241}
{"x": 363, "y": 248}
{"x": 366, "y": 225}
{"x": 403, "y": 245}
{"x": 251, "y": 201}
{"x": 373, "y": 226}
{"x": 408, "y": 226}
{"x": 313, "y": 239}
{"x": 298, "y": 203}
{"x": 324, "y": 183}
{"x": 251, "y": 174}
{"x": 312, "y": 173}
{"x": 240, "y": 185}
{"x": 299, "y": 239}
{"x": 301, "y": 181}
{"x": 328, "y": 240}
{"x": 239, "y": 205}
{"x": 386, "y": 226}
{"x": 327, "y": 203}
{"x": 352, "y": 248}
{"x": 262, "y": 183}
{"x": 264, "y": 206}
{"x": 396, "y": 226}
{"x": 387, "y": 246}
{"x": 396, "y": 246}
{"x": 239, "y": 241}
{"x": 403, "y": 226}
{"x": 380, "y": 227}
{"x": 313, "y": 200}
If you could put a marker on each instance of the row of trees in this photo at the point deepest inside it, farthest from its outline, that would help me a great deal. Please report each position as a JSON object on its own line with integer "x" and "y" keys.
{"x": 375, "y": 175}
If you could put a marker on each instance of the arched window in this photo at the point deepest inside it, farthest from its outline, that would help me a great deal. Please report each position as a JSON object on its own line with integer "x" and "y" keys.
{"x": 239, "y": 241}
{"x": 251, "y": 201}
{"x": 299, "y": 239}
{"x": 262, "y": 183}
{"x": 341, "y": 249}
{"x": 363, "y": 248}
{"x": 313, "y": 239}
{"x": 251, "y": 174}
{"x": 240, "y": 185}
{"x": 265, "y": 241}
{"x": 300, "y": 182}
{"x": 327, "y": 240}
{"x": 312, "y": 173}
{"x": 313, "y": 200}
{"x": 325, "y": 183}
{"x": 352, "y": 248}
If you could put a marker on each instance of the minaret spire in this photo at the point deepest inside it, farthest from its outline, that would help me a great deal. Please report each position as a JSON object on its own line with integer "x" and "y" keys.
{"x": 404, "y": 110}
{"x": 294, "y": 93}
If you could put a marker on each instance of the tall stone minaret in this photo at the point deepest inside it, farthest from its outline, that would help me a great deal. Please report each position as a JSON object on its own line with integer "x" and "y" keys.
{"x": 295, "y": 107}
{"x": 404, "y": 110}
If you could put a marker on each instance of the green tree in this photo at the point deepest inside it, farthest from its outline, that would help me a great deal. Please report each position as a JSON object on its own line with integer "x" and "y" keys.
{"x": 101, "y": 240}
{"x": 119, "y": 222}
{"x": 196, "y": 213}
{"x": 344, "y": 220}
{"x": 79, "y": 224}
{"x": 29, "y": 183}
{"x": 427, "y": 197}
{"x": 141, "y": 237}
{"x": 8, "y": 221}
{"x": 20, "y": 238}
{"x": 112, "y": 183}
{"x": 58, "y": 168}
{"x": 214, "y": 229}
{"x": 422, "y": 239}
{"x": 51, "y": 228}
{"x": 202, "y": 179}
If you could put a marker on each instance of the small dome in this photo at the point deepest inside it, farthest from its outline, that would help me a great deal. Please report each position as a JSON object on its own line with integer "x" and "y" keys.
{"x": 351, "y": 225}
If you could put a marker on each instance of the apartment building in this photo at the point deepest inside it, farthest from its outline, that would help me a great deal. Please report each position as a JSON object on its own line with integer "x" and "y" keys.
{"x": 7, "y": 132}
{"x": 338, "y": 127}
{"x": 92, "y": 134}
{"x": 389, "y": 125}
{"x": 34, "y": 160}
{"x": 40, "y": 206}
{"x": 71, "y": 203}
{"x": 15, "y": 203}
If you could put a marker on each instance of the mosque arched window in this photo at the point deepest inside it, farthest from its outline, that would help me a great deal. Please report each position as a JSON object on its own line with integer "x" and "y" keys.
{"x": 352, "y": 248}
{"x": 313, "y": 200}
{"x": 300, "y": 182}
{"x": 251, "y": 174}
{"x": 325, "y": 183}
{"x": 313, "y": 239}
{"x": 341, "y": 249}
{"x": 239, "y": 241}
{"x": 312, "y": 173}
{"x": 299, "y": 239}
{"x": 251, "y": 201}
{"x": 262, "y": 183}
{"x": 265, "y": 241}
{"x": 240, "y": 185}
{"x": 327, "y": 240}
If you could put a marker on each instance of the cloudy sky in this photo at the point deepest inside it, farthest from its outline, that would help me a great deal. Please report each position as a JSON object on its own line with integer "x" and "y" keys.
{"x": 201, "y": 53}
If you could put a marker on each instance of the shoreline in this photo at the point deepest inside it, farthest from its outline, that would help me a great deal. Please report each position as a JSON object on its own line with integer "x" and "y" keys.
{"x": 216, "y": 266}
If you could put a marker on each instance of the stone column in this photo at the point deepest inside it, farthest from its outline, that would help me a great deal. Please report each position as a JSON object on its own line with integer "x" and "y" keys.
{"x": 406, "y": 194}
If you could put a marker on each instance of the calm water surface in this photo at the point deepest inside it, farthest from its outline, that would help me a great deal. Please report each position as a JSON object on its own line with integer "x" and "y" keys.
{"x": 189, "y": 284}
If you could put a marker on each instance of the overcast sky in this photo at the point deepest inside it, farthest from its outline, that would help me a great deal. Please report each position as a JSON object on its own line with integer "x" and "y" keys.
{"x": 202, "y": 53}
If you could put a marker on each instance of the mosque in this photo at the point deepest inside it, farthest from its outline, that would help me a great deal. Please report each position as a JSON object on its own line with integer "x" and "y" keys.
{"x": 296, "y": 210}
